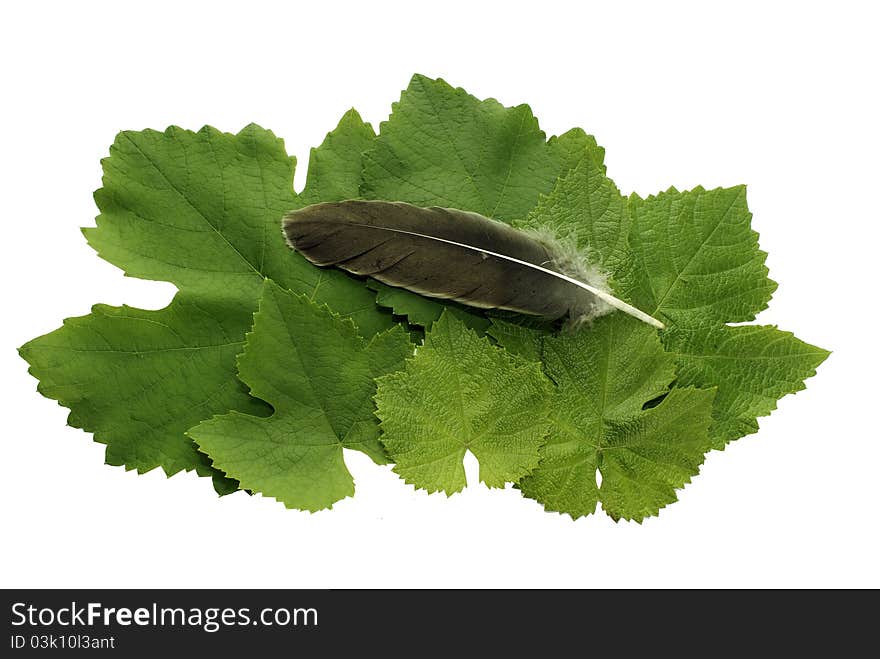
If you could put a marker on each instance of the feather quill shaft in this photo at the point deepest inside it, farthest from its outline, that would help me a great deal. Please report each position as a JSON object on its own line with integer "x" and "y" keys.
{"x": 452, "y": 254}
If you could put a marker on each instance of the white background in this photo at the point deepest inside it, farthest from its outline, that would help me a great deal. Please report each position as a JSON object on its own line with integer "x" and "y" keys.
{"x": 780, "y": 96}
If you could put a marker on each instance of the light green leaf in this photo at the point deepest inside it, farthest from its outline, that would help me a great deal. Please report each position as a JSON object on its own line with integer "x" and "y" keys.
{"x": 201, "y": 210}
{"x": 318, "y": 375}
{"x": 752, "y": 366}
{"x": 646, "y": 459}
{"x": 522, "y": 338}
{"x": 460, "y": 393}
{"x": 586, "y": 211}
{"x": 605, "y": 375}
{"x": 695, "y": 262}
{"x": 699, "y": 257}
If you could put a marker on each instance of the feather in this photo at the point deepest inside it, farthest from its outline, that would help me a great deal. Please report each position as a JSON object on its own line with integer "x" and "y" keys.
{"x": 456, "y": 255}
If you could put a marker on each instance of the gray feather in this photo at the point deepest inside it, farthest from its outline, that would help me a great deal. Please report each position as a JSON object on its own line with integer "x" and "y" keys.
{"x": 449, "y": 254}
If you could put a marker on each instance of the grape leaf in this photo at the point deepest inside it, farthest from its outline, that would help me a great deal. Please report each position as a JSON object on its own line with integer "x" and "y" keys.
{"x": 752, "y": 367}
{"x": 692, "y": 259}
{"x": 125, "y": 374}
{"x": 702, "y": 268}
{"x": 201, "y": 210}
{"x": 321, "y": 391}
{"x": 418, "y": 309}
{"x": 423, "y": 311}
{"x": 521, "y": 338}
{"x": 443, "y": 147}
{"x": 700, "y": 257}
{"x": 460, "y": 393}
{"x": 604, "y": 378}
{"x": 586, "y": 211}
{"x": 335, "y": 167}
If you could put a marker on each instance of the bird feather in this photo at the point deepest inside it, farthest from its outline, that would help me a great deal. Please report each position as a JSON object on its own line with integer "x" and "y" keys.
{"x": 453, "y": 254}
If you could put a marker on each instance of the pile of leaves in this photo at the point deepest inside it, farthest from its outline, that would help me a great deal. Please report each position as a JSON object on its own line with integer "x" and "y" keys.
{"x": 264, "y": 367}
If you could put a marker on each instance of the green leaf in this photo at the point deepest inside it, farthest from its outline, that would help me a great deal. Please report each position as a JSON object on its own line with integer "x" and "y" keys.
{"x": 702, "y": 268}
{"x": 201, "y": 210}
{"x": 423, "y": 311}
{"x": 699, "y": 256}
{"x": 752, "y": 367}
{"x": 587, "y": 211}
{"x": 692, "y": 259}
{"x": 443, "y": 147}
{"x": 138, "y": 379}
{"x": 520, "y": 338}
{"x": 335, "y": 167}
{"x": 460, "y": 393}
{"x": 604, "y": 377}
{"x": 418, "y": 309}
{"x": 318, "y": 375}
{"x": 646, "y": 459}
